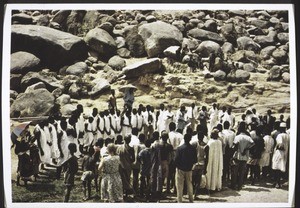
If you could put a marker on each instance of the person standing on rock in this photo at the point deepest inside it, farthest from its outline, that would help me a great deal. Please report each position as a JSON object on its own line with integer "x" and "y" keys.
{"x": 212, "y": 59}
{"x": 112, "y": 101}
{"x": 128, "y": 97}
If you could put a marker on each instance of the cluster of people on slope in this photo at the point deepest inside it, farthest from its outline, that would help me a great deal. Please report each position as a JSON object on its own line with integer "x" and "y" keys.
{"x": 143, "y": 150}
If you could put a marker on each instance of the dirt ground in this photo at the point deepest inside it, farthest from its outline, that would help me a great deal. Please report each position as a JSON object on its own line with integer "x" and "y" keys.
{"x": 47, "y": 189}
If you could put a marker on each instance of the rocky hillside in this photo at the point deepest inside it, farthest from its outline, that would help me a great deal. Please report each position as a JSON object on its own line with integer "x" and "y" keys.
{"x": 71, "y": 57}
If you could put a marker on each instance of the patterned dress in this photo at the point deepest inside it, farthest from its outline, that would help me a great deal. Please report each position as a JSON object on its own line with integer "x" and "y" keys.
{"x": 111, "y": 184}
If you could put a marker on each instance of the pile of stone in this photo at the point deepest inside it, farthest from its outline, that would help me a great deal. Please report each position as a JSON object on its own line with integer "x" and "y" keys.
{"x": 57, "y": 55}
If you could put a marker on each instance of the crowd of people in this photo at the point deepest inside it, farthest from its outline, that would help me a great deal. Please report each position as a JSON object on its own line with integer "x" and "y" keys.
{"x": 152, "y": 152}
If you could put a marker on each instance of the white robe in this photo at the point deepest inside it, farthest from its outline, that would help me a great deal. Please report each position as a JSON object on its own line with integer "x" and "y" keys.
{"x": 280, "y": 157}
{"x": 117, "y": 125}
{"x": 80, "y": 127}
{"x": 134, "y": 120}
{"x": 213, "y": 117}
{"x": 266, "y": 154}
{"x": 168, "y": 118}
{"x": 74, "y": 140}
{"x": 140, "y": 122}
{"x": 126, "y": 129}
{"x": 46, "y": 158}
{"x": 88, "y": 136}
{"x": 230, "y": 118}
{"x": 64, "y": 143}
{"x": 160, "y": 121}
{"x": 54, "y": 147}
{"x": 215, "y": 165}
{"x": 101, "y": 126}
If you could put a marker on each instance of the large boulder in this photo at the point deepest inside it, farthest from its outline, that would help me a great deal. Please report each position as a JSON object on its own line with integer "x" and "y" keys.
{"x": 73, "y": 23}
{"x": 63, "y": 99}
{"x": 192, "y": 43}
{"x": 21, "y": 18}
{"x": 75, "y": 90}
{"x": 180, "y": 24}
{"x": 286, "y": 77}
{"x": 249, "y": 67}
{"x": 36, "y": 86}
{"x": 258, "y": 23}
{"x": 266, "y": 52}
{"x": 229, "y": 32}
{"x": 34, "y": 77}
{"x": 141, "y": 68}
{"x": 275, "y": 73}
{"x": 123, "y": 52}
{"x": 227, "y": 47}
{"x": 205, "y": 35}
{"x": 211, "y": 25}
{"x": 100, "y": 86}
{"x": 68, "y": 109}
{"x": 78, "y": 69}
{"x": 117, "y": 63}
{"x": 283, "y": 37}
{"x": 241, "y": 76}
{"x": 207, "y": 47}
{"x": 172, "y": 52}
{"x": 266, "y": 40}
{"x": 61, "y": 16}
{"x": 158, "y": 36}
{"x": 54, "y": 48}
{"x": 280, "y": 55}
{"x": 35, "y": 103}
{"x": 15, "y": 82}
{"x": 135, "y": 42}
{"x": 219, "y": 75}
{"x": 101, "y": 41}
{"x": 245, "y": 56}
{"x": 22, "y": 62}
{"x": 246, "y": 43}
{"x": 91, "y": 19}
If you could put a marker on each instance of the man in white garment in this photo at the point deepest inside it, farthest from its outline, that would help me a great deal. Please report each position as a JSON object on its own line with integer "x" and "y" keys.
{"x": 213, "y": 115}
{"x": 160, "y": 124}
{"x": 108, "y": 132}
{"x": 214, "y": 167}
{"x": 192, "y": 115}
{"x": 228, "y": 116}
{"x": 168, "y": 118}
